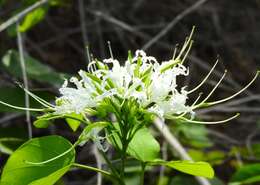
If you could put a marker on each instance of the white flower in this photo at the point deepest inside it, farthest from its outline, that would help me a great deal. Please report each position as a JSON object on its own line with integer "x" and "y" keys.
{"x": 142, "y": 78}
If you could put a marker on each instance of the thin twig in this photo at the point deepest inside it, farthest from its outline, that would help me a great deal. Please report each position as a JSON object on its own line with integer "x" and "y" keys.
{"x": 119, "y": 23}
{"x": 83, "y": 28}
{"x": 222, "y": 136}
{"x": 8, "y": 118}
{"x": 170, "y": 138}
{"x": 25, "y": 80}
{"x": 179, "y": 17}
{"x": 20, "y": 15}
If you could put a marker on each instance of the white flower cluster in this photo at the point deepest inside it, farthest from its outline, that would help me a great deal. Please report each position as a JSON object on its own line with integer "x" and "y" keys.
{"x": 152, "y": 84}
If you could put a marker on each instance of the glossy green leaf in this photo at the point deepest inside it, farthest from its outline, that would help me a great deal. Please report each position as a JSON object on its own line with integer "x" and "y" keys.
{"x": 37, "y": 150}
{"x": 52, "y": 178}
{"x": 35, "y": 70}
{"x": 248, "y": 174}
{"x": 45, "y": 120}
{"x": 33, "y": 18}
{"x": 144, "y": 146}
{"x": 201, "y": 169}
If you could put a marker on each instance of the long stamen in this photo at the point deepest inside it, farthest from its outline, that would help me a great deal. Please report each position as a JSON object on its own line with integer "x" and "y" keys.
{"x": 205, "y": 79}
{"x": 234, "y": 95}
{"x": 187, "y": 52}
{"x": 110, "y": 49}
{"x": 210, "y": 122}
{"x": 175, "y": 51}
{"x": 212, "y": 91}
{"x": 186, "y": 43}
{"x": 38, "y": 99}
{"x": 21, "y": 108}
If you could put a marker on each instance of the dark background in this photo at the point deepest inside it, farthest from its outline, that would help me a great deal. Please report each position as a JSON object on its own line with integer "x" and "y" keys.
{"x": 225, "y": 30}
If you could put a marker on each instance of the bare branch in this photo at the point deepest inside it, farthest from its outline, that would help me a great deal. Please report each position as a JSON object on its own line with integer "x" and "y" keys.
{"x": 170, "y": 138}
{"x": 179, "y": 17}
{"x": 25, "y": 80}
{"x": 81, "y": 6}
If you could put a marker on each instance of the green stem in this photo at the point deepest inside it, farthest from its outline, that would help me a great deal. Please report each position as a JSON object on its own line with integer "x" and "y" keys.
{"x": 123, "y": 158}
{"x": 142, "y": 173}
{"x": 114, "y": 171}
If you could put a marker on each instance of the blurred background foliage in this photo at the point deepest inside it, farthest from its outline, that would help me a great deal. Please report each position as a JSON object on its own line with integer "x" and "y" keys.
{"x": 56, "y": 33}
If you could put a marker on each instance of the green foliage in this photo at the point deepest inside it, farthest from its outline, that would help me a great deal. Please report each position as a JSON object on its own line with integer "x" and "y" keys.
{"x": 34, "y": 69}
{"x": 194, "y": 135}
{"x": 247, "y": 152}
{"x": 91, "y": 132}
{"x": 214, "y": 157}
{"x": 202, "y": 169}
{"x": 144, "y": 146}
{"x": 247, "y": 174}
{"x": 45, "y": 120}
{"x": 20, "y": 164}
{"x": 33, "y": 18}
{"x": 2, "y": 2}
{"x": 73, "y": 121}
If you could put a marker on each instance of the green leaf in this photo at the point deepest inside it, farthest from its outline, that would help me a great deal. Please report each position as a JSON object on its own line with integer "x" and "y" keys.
{"x": 144, "y": 146}
{"x": 35, "y": 70}
{"x": 74, "y": 123}
{"x": 52, "y": 178}
{"x": 33, "y": 18}
{"x": 201, "y": 169}
{"x": 35, "y": 151}
{"x": 91, "y": 131}
{"x": 45, "y": 120}
{"x": 247, "y": 175}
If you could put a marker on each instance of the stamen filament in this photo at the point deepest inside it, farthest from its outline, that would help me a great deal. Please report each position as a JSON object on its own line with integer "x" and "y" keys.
{"x": 38, "y": 99}
{"x": 210, "y": 122}
{"x": 212, "y": 91}
{"x": 205, "y": 79}
{"x": 22, "y": 108}
{"x": 234, "y": 95}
